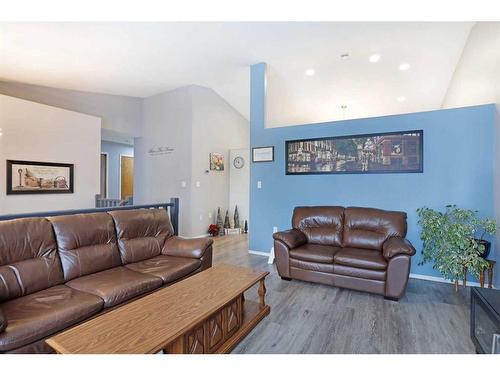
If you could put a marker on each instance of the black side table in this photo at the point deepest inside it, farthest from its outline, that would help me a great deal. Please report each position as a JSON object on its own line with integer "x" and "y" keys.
{"x": 485, "y": 320}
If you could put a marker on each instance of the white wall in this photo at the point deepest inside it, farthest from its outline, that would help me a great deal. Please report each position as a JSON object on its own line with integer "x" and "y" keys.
{"x": 157, "y": 178}
{"x": 194, "y": 121}
{"x": 239, "y": 183}
{"x": 477, "y": 76}
{"x": 37, "y": 132}
{"x": 119, "y": 114}
{"x": 217, "y": 127}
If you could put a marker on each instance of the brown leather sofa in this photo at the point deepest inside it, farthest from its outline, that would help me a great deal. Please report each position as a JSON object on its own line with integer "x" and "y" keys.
{"x": 357, "y": 248}
{"x": 59, "y": 271}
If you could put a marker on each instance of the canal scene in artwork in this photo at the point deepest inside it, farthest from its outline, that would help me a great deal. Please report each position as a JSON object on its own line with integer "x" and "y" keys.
{"x": 396, "y": 152}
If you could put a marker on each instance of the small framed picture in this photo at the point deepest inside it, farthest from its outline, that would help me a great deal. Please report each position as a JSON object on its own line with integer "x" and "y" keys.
{"x": 34, "y": 177}
{"x": 263, "y": 154}
{"x": 216, "y": 161}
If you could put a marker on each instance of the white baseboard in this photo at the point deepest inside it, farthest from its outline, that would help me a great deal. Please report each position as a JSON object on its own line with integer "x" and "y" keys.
{"x": 271, "y": 256}
{"x": 200, "y": 236}
{"x": 440, "y": 279}
{"x": 261, "y": 253}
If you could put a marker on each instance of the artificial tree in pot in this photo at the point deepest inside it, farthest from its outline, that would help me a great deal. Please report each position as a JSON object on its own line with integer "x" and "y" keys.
{"x": 454, "y": 240}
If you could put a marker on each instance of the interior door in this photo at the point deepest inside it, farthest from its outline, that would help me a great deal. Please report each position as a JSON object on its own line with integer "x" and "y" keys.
{"x": 127, "y": 176}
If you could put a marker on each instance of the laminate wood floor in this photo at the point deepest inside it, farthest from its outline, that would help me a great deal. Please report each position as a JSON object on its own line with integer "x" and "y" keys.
{"x": 314, "y": 318}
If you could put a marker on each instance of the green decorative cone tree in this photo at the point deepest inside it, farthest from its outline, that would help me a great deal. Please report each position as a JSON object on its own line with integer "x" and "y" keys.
{"x": 236, "y": 217}
{"x": 227, "y": 225}
{"x": 219, "y": 222}
{"x": 453, "y": 240}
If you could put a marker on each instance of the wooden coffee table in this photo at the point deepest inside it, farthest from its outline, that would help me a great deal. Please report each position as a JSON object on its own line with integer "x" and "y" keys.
{"x": 205, "y": 313}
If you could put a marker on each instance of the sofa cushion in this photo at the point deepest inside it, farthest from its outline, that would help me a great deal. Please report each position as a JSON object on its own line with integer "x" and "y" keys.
{"x": 43, "y": 313}
{"x": 362, "y": 273}
{"x": 28, "y": 257}
{"x": 166, "y": 267}
{"x": 361, "y": 258}
{"x": 87, "y": 243}
{"x": 311, "y": 266}
{"x": 187, "y": 247}
{"x": 368, "y": 228}
{"x": 141, "y": 233}
{"x": 322, "y": 225}
{"x": 314, "y": 253}
{"x": 116, "y": 285}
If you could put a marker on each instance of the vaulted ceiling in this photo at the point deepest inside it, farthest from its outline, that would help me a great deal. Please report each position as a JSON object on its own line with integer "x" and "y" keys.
{"x": 317, "y": 71}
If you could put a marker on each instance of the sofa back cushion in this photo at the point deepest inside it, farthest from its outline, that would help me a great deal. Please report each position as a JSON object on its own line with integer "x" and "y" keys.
{"x": 141, "y": 233}
{"x": 28, "y": 257}
{"x": 87, "y": 243}
{"x": 368, "y": 228}
{"x": 322, "y": 225}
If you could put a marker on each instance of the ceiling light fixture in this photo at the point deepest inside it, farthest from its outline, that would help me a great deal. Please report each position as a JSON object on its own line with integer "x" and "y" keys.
{"x": 374, "y": 58}
{"x": 1, "y": 132}
{"x": 310, "y": 72}
{"x": 404, "y": 66}
{"x": 401, "y": 99}
{"x": 344, "y": 56}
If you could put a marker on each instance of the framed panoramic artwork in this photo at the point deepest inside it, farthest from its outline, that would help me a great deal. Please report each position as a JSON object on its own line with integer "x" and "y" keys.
{"x": 395, "y": 152}
{"x": 34, "y": 177}
{"x": 263, "y": 154}
{"x": 216, "y": 161}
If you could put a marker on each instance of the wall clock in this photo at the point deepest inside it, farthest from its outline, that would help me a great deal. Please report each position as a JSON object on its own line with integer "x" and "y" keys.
{"x": 238, "y": 162}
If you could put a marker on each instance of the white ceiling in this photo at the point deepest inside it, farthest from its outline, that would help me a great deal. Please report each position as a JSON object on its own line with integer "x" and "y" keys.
{"x": 143, "y": 59}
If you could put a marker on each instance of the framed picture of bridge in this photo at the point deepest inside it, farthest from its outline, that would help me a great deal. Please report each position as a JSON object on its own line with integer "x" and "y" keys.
{"x": 33, "y": 177}
{"x": 394, "y": 152}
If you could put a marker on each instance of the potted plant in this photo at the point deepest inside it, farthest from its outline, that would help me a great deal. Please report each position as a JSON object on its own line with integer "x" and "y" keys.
{"x": 213, "y": 230}
{"x": 485, "y": 226}
{"x": 450, "y": 240}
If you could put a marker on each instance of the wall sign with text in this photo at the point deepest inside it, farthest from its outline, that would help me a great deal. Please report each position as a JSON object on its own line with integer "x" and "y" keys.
{"x": 263, "y": 154}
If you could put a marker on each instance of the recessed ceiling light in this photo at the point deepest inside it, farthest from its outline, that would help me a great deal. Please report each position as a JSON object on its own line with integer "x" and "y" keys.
{"x": 344, "y": 56}
{"x": 310, "y": 72}
{"x": 404, "y": 66}
{"x": 374, "y": 58}
{"x": 401, "y": 99}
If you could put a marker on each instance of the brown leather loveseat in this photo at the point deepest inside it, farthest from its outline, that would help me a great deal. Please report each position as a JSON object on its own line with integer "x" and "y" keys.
{"x": 61, "y": 270}
{"x": 358, "y": 248}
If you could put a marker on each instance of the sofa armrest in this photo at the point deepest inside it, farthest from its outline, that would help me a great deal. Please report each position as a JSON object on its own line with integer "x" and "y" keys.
{"x": 291, "y": 238}
{"x": 188, "y": 248}
{"x": 397, "y": 246}
{"x": 3, "y": 321}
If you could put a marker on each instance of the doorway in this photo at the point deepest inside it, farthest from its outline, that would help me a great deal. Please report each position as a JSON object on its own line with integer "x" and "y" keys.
{"x": 126, "y": 176}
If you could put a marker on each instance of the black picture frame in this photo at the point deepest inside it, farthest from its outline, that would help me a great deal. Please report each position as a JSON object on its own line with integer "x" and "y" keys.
{"x": 420, "y": 150}
{"x": 262, "y": 161}
{"x": 11, "y": 191}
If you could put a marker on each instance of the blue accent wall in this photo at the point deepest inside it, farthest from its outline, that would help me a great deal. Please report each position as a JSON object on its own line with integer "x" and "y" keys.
{"x": 114, "y": 150}
{"x": 458, "y": 169}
